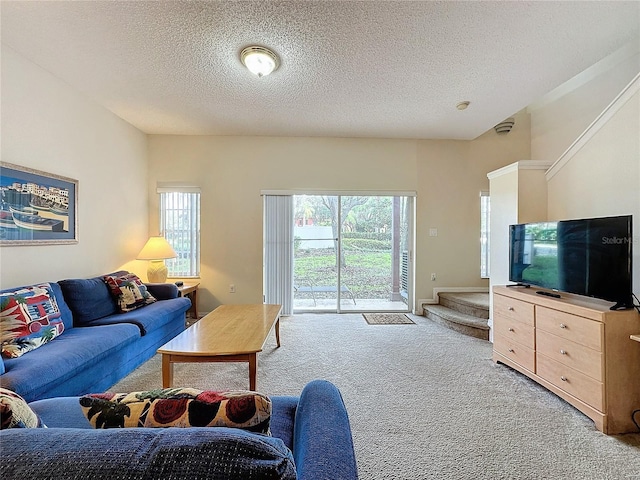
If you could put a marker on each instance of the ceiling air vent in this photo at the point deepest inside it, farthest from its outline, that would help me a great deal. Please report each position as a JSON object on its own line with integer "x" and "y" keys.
{"x": 505, "y": 127}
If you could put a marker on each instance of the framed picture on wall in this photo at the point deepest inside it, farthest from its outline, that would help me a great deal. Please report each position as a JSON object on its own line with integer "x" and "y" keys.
{"x": 37, "y": 208}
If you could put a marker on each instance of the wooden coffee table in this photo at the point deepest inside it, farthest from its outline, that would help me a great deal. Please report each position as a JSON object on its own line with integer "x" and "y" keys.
{"x": 231, "y": 333}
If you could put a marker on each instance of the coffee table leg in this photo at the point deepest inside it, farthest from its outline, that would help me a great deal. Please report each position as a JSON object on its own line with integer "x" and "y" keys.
{"x": 253, "y": 371}
{"x": 278, "y": 331}
{"x": 167, "y": 371}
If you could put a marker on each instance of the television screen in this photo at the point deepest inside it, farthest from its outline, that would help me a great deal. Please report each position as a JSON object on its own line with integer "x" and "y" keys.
{"x": 589, "y": 257}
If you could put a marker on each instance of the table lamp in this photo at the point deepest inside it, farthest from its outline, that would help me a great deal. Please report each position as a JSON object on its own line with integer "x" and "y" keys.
{"x": 156, "y": 250}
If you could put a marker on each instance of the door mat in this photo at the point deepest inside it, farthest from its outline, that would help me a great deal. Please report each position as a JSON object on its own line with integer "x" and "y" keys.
{"x": 387, "y": 319}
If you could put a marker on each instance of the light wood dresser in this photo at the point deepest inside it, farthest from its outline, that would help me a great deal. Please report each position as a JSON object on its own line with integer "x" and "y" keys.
{"x": 575, "y": 347}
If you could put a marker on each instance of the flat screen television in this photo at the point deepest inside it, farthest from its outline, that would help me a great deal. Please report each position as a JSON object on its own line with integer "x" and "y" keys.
{"x": 590, "y": 257}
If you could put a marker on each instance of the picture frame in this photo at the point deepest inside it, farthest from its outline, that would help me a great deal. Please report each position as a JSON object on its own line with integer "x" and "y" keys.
{"x": 36, "y": 207}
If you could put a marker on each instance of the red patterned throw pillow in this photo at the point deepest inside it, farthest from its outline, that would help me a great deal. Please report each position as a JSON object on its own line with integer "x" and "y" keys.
{"x": 179, "y": 407}
{"x": 29, "y": 318}
{"x": 129, "y": 292}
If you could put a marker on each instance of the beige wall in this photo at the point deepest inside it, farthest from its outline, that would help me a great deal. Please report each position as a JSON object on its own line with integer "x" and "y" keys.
{"x": 48, "y": 126}
{"x": 451, "y": 175}
{"x": 561, "y": 116}
{"x": 232, "y": 171}
{"x": 601, "y": 179}
{"x": 447, "y": 176}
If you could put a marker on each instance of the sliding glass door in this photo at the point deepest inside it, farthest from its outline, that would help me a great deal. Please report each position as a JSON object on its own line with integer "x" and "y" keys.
{"x": 315, "y": 249}
{"x": 353, "y": 253}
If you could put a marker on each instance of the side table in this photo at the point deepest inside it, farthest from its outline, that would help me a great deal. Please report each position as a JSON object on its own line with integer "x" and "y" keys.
{"x": 190, "y": 291}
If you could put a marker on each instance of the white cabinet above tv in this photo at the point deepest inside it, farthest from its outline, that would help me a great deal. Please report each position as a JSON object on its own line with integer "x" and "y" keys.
{"x": 518, "y": 195}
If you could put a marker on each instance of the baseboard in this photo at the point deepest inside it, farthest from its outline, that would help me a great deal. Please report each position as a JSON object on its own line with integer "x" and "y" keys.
{"x": 421, "y": 301}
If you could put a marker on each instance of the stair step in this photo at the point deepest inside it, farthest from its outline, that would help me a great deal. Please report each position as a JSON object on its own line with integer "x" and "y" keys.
{"x": 471, "y": 303}
{"x": 460, "y": 322}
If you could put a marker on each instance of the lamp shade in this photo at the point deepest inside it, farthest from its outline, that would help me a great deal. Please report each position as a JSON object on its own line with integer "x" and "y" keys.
{"x": 156, "y": 248}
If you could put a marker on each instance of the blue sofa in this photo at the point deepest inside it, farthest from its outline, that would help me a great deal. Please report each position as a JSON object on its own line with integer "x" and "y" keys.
{"x": 98, "y": 346}
{"x": 311, "y": 440}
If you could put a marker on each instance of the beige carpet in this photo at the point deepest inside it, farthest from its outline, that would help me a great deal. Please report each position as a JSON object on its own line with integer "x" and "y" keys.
{"x": 387, "y": 319}
{"x": 424, "y": 402}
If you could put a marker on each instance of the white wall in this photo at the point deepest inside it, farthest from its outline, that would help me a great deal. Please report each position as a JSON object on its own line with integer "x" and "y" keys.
{"x": 46, "y": 125}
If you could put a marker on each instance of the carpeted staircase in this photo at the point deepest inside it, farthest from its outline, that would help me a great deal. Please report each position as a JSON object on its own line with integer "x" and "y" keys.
{"x": 463, "y": 312}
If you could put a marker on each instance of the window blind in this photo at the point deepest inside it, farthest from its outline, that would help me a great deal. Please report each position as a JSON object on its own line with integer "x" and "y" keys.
{"x": 278, "y": 251}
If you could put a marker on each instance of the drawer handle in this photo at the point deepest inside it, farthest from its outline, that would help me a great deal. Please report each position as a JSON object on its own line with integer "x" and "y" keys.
{"x": 563, "y": 352}
{"x": 562, "y": 325}
{"x": 510, "y": 329}
{"x": 563, "y": 378}
{"x": 510, "y": 309}
{"x": 511, "y": 350}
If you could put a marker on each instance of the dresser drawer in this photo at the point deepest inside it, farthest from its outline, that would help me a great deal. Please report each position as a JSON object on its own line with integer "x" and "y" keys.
{"x": 514, "y": 351}
{"x": 513, "y": 330}
{"x": 571, "y": 381}
{"x": 577, "y": 329}
{"x": 514, "y": 309}
{"x": 571, "y": 354}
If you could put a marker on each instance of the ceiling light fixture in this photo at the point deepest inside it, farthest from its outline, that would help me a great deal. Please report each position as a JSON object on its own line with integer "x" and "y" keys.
{"x": 462, "y": 105}
{"x": 259, "y": 60}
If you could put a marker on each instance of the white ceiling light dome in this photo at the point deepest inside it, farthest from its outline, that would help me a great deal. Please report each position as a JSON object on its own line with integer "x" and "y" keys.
{"x": 259, "y": 60}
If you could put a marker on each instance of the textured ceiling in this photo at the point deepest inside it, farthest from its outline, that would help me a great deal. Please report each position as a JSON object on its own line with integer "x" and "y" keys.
{"x": 348, "y": 68}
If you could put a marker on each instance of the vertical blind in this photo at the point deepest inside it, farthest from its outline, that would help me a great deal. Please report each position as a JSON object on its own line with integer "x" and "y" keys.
{"x": 485, "y": 213}
{"x": 278, "y": 251}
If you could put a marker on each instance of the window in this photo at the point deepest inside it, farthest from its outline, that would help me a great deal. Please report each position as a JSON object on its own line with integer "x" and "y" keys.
{"x": 485, "y": 213}
{"x": 180, "y": 225}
